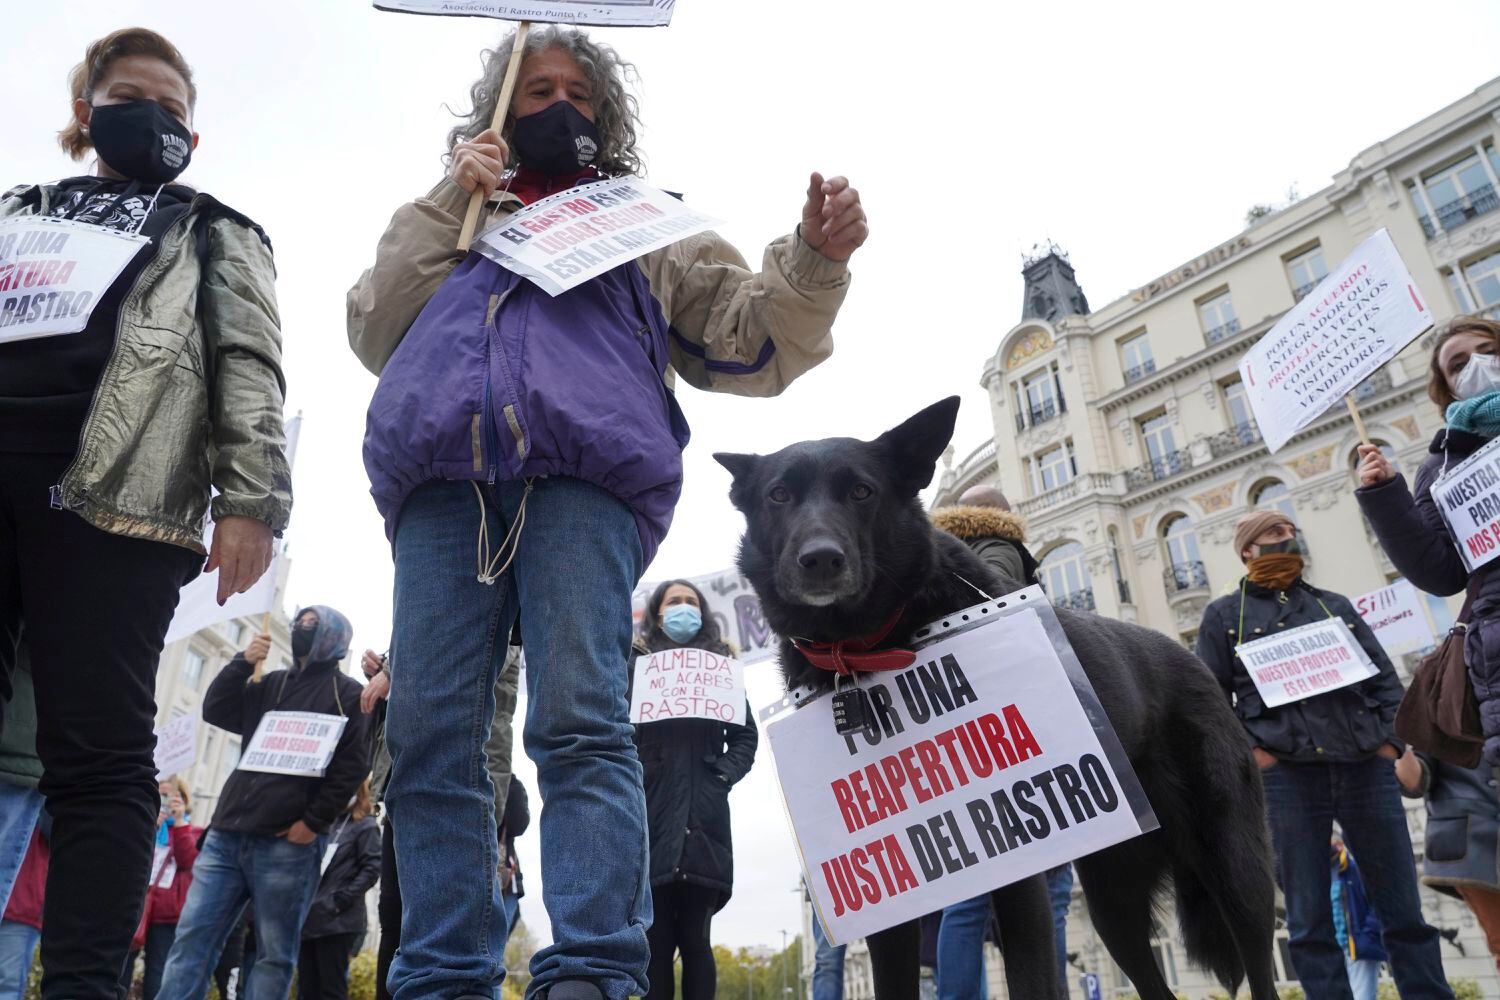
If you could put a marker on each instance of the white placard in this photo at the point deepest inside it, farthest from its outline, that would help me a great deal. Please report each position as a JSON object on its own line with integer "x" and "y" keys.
{"x": 982, "y": 768}
{"x": 1305, "y": 661}
{"x": 1394, "y": 613}
{"x": 176, "y": 746}
{"x": 567, "y": 238}
{"x": 163, "y": 865}
{"x": 619, "y": 13}
{"x": 735, "y": 608}
{"x": 1359, "y": 317}
{"x": 687, "y": 684}
{"x": 1469, "y": 498}
{"x": 53, "y": 272}
{"x": 299, "y": 743}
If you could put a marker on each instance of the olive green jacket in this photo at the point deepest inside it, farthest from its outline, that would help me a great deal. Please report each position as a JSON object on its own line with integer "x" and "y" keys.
{"x": 154, "y": 441}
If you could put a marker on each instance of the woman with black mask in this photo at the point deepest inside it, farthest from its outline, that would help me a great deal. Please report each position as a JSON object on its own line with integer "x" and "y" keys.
{"x": 689, "y": 766}
{"x": 139, "y": 367}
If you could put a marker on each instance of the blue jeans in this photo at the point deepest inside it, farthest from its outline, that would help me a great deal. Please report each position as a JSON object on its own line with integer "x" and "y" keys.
{"x": 1302, "y": 801}
{"x": 577, "y": 559}
{"x": 1060, "y": 892}
{"x": 512, "y": 906}
{"x": 828, "y": 967}
{"x": 19, "y": 808}
{"x": 960, "y": 950}
{"x": 1364, "y": 977}
{"x": 233, "y": 869}
{"x": 17, "y": 948}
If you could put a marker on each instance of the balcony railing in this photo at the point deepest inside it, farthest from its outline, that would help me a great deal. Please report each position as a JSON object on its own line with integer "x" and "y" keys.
{"x": 1040, "y": 414}
{"x": 1185, "y": 576}
{"x": 1124, "y": 591}
{"x": 1078, "y": 600}
{"x": 1084, "y": 482}
{"x": 1140, "y": 371}
{"x": 1223, "y": 332}
{"x": 1230, "y": 441}
{"x": 1377, "y": 383}
{"x": 1300, "y": 292}
{"x": 1480, "y": 201}
{"x": 1159, "y": 468}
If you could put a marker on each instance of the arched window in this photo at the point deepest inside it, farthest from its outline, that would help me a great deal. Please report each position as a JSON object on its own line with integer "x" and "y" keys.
{"x": 1184, "y": 566}
{"x": 1066, "y": 577}
{"x": 1272, "y": 494}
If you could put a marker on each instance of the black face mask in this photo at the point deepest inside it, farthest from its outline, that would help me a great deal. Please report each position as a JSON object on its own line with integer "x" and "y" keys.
{"x": 1291, "y": 546}
{"x": 141, "y": 140}
{"x": 556, "y": 140}
{"x": 302, "y": 640}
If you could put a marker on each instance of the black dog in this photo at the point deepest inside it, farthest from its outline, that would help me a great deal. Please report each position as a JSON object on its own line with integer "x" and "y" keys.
{"x": 837, "y": 542}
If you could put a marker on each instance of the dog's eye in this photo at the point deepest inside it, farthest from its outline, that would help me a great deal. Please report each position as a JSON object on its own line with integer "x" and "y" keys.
{"x": 861, "y": 491}
{"x": 780, "y": 494}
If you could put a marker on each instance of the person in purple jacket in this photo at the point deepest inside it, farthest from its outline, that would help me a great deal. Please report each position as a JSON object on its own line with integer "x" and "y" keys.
{"x": 526, "y": 454}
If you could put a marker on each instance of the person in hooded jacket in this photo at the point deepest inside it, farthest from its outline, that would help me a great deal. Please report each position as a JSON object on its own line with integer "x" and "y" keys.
{"x": 689, "y": 766}
{"x": 162, "y": 405}
{"x": 525, "y": 451}
{"x": 1323, "y": 758}
{"x": 983, "y": 520}
{"x": 269, "y": 830}
{"x": 351, "y": 866}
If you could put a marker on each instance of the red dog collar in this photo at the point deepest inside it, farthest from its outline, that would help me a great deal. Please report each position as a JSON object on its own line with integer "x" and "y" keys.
{"x": 848, "y": 655}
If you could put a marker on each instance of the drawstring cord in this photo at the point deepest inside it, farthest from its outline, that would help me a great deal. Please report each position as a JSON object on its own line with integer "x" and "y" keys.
{"x": 488, "y": 573}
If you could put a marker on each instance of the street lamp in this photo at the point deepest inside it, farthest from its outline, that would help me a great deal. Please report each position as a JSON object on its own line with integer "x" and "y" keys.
{"x": 783, "y": 966}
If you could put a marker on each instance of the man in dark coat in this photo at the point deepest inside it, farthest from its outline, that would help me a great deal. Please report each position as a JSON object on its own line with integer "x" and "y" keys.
{"x": 983, "y": 519}
{"x": 1323, "y": 757}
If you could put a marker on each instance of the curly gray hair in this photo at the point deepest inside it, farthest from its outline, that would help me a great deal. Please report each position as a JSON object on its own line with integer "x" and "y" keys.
{"x": 616, "y": 115}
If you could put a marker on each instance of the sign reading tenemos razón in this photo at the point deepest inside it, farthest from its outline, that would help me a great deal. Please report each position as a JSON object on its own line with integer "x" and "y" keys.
{"x": 688, "y": 684}
{"x": 980, "y": 766}
{"x": 300, "y": 743}
{"x": 620, "y": 13}
{"x": 1359, "y": 317}
{"x": 1305, "y": 661}
{"x": 569, "y": 237}
{"x": 1468, "y": 496}
{"x": 53, "y": 273}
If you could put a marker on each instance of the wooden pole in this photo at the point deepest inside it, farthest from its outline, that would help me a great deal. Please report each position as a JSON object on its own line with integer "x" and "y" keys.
{"x": 1359, "y": 422}
{"x": 265, "y": 629}
{"x": 502, "y": 107}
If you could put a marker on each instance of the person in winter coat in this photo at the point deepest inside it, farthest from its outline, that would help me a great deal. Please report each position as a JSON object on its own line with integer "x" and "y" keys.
{"x": 982, "y": 519}
{"x": 547, "y": 429}
{"x": 351, "y": 866}
{"x": 1464, "y": 381}
{"x": 1463, "y": 834}
{"x": 113, "y": 438}
{"x": 20, "y": 770}
{"x": 171, "y": 875}
{"x": 1355, "y": 925}
{"x": 21, "y": 918}
{"x": 270, "y": 829}
{"x": 689, "y": 767}
{"x": 1324, "y": 758}
{"x": 517, "y": 821}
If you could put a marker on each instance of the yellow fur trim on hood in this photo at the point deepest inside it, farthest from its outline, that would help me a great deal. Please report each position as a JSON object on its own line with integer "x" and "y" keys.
{"x": 970, "y": 523}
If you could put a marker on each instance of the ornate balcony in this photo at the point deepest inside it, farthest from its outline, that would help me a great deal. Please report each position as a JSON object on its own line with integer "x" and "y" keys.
{"x": 1079, "y": 485}
{"x": 1159, "y": 468}
{"x": 1300, "y": 292}
{"x": 1140, "y": 371}
{"x": 1480, "y": 201}
{"x": 1223, "y": 332}
{"x": 1040, "y": 414}
{"x": 1078, "y": 600}
{"x": 1230, "y": 441}
{"x": 1180, "y": 577}
{"x": 1375, "y": 384}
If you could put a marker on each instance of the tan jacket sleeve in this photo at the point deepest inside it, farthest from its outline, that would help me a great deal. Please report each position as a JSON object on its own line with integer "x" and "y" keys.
{"x": 415, "y": 255}
{"x": 239, "y": 312}
{"x": 747, "y": 333}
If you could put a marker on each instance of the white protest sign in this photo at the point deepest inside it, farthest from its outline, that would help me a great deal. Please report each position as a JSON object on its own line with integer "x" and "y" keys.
{"x": 1305, "y": 661}
{"x": 569, "y": 237}
{"x": 980, "y": 766}
{"x": 299, "y": 743}
{"x": 1394, "y": 613}
{"x": 163, "y": 866}
{"x": 1359, "y": 317}
{"x": 618, "y": 13}
{"x": 53, "y": 272}
{"x": 688, "y": 684}
{"x": 1469, "y": 498}
{"x": 735, "y": 607}
{"x": 176, "y": 745}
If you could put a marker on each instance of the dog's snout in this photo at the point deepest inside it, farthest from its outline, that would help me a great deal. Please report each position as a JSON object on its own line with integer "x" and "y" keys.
{"x": 821, "y": 555}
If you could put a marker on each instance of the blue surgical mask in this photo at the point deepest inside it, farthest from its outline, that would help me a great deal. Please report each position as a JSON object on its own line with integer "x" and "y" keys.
{"x": 681, "y": 622}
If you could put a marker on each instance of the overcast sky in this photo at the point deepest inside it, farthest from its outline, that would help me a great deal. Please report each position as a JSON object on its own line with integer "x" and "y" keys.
{"x": 1134, "y": 135}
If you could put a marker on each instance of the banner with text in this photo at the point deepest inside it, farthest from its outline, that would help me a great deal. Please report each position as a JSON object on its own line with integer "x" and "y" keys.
{"x": 603, "y": 13}
{"x": 176, "y": 746}
{"x": 1395, "y": 614}
{"x": 735, "y": 608}
{"x": 569, "y": 237}
{"x": 300, "y": 743}
{"x": 979, "y": 767}
{"x": 1469, "y": 499}
{"x": 1305, "y": 661}
{"x": 53, "y": 272}
{"x": 1359, "y": 317}
{"x": 688, "y": 684}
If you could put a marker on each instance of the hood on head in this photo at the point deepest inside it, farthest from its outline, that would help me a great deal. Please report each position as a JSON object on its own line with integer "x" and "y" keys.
{"x": 331, "y": 638}
{"x": 973, "y": 523}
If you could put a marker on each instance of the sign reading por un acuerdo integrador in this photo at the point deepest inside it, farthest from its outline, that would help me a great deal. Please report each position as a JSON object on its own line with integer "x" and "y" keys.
{"x": 986, "y": 761}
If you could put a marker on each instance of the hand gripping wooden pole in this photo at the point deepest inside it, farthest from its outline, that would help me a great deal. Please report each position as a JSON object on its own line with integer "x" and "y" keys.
{"x": 265, "y": 628}
{"x": 502, "y": 106}
{"x": 1359, "y": 422}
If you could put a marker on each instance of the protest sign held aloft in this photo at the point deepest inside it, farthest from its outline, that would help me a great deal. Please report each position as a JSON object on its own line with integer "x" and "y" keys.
{"x": 1305, "y": 661}
{"x": 53, "y": 272}
{"x": 977, "y": 766}
{"x": 736, "y": 609}
{"x": 1394, "y": 613}
{"x": 176, "y": 745}
{"x": 1359, "y": 317}
{"x": 1469, "y": 498}
{"x": 688, "y": 684}
{"x": 616, "y": 13}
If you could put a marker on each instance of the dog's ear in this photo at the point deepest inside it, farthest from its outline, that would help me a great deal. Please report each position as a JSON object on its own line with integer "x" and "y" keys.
{"x": 916, "y": 445}
{"x": 742, "y": 469}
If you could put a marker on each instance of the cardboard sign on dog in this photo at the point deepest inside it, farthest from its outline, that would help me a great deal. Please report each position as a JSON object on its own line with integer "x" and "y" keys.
{"x": 687, "y": 684}
{"x": 980, "y": 767}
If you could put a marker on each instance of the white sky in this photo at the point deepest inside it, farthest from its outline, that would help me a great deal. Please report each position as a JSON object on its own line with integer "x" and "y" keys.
{"x": 1135, "y": 135}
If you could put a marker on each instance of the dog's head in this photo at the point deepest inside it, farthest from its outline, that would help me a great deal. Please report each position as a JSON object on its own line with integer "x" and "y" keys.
{"x": 836, "y": 524}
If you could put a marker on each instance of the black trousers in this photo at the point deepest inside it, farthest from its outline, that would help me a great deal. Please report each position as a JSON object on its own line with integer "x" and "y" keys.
{"x": 389, "y": 911}
{"x": 95, "y": 607}
{"x": 323, "y": 967}
{"x": 681, "y": 925}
